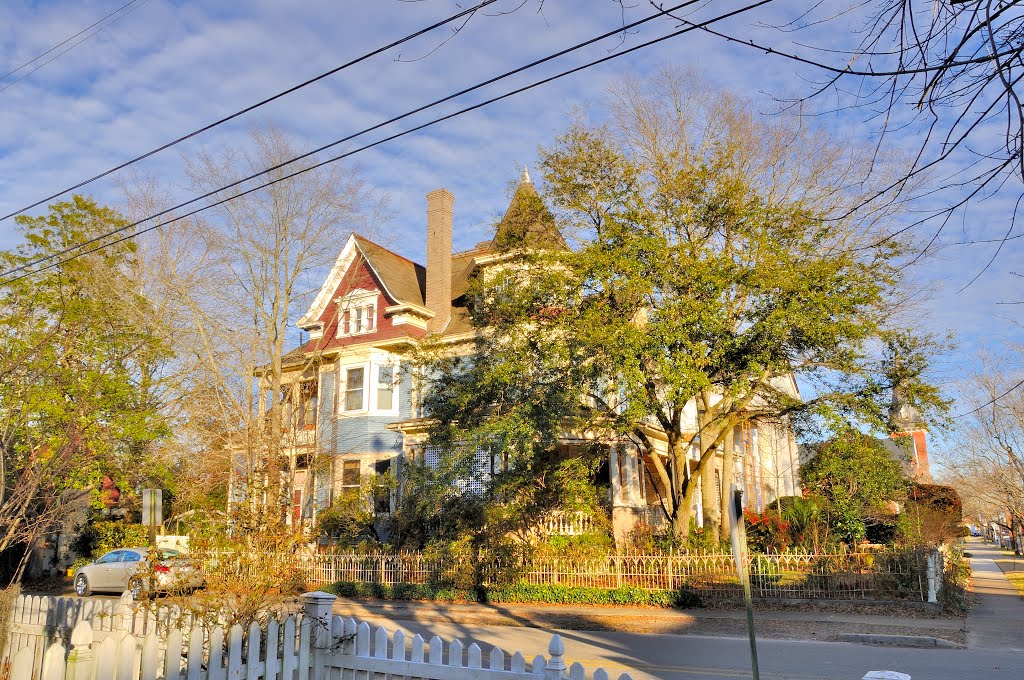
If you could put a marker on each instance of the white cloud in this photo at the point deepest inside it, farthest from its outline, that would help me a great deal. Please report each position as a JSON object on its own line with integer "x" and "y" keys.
{"x": 172, "y": 66}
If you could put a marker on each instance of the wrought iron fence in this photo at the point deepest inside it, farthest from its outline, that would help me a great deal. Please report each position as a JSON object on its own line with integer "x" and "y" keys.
{"x": 887, "y": 575}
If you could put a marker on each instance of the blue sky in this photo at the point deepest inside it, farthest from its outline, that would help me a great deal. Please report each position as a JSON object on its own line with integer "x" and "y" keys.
{"x": 170, "y": 66}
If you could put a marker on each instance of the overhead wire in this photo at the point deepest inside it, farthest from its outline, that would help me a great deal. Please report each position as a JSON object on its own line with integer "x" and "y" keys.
{"x": 474, "y": 107}
{"x": 361, "y": 132}
{"x": 252, "y": 107}
{"x": 11, "y": 84}
{"x": 65, "y": 41}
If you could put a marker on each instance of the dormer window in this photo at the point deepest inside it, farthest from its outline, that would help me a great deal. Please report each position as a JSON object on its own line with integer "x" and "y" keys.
{"x": 357, "y": 313}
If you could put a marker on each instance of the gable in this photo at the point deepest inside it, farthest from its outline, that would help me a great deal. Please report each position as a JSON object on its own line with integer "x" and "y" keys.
{"x": 401, "y": 280}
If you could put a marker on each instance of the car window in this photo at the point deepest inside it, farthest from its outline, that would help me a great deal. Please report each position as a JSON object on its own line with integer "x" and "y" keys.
{"x": 131, "y": 556}
{"x": 110, "y": 557}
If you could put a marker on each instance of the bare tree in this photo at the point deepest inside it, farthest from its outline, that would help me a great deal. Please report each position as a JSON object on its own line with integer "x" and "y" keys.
{"x": 987, "y": 464}
{"x": 230, "y": 285}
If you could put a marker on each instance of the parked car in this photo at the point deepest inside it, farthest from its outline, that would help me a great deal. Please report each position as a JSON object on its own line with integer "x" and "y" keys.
{"x": 127, "y": 569}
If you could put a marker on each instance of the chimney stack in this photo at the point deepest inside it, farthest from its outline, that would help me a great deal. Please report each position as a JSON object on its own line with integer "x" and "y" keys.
{"x": 439, "y": 257}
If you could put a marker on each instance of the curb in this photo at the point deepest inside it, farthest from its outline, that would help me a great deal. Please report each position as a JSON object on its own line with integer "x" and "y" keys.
{"x": 898, "y": 640}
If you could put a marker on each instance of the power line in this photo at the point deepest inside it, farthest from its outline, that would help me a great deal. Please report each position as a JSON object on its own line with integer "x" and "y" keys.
{"x": 991, "y": 401}
{"x": 65, "y": 41}
{"x": 73, "y": 46}
{"x": 360, "y": 133}
{"x": 258, "y": 104}
{"x": 417, "y": 128}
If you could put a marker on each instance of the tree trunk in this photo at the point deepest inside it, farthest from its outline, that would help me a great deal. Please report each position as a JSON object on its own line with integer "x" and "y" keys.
{"x": 711, "y": 502}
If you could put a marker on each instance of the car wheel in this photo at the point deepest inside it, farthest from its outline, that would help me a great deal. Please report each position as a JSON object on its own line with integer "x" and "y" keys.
{"x": 135, "y": 588}
{"x": 82, "y": 587}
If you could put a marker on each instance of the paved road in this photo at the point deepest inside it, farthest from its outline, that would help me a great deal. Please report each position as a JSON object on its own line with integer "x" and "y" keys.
{"x": 688, "y": 657}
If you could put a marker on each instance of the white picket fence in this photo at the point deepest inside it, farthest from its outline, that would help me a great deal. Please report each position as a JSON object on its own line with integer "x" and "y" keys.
{"x": 314, "y": 645}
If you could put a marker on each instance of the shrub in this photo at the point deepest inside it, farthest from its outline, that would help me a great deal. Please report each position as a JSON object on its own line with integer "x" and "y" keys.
{"x": 955, "y": 577}
{"x": 98, "y": 538}
{"x": 766, "y": 532}
{"x": 522, "y": 593}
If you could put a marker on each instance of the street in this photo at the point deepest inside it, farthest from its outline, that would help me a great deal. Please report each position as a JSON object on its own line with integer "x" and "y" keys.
{"x": 672, "y": 657}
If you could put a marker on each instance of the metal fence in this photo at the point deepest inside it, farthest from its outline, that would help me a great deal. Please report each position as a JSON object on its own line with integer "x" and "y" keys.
{"x": 841, "y": 576}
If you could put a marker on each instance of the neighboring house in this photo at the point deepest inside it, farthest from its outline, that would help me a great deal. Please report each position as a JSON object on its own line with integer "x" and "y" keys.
{"x": 350, "y": 399}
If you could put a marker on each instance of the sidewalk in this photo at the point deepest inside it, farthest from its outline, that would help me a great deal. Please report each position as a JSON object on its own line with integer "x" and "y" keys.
{"x": 812, "y": 624}
{"x": 997, "y": 619}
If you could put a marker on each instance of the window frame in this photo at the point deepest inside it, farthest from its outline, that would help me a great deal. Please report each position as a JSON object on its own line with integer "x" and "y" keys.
{"x": 375, "y": 387}
{"x": 344, "y": 390}
{"x": 357, "y": 313}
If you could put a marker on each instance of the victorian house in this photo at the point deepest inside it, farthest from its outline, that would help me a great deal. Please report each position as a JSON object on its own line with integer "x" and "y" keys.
{"x": 354, "y": 408}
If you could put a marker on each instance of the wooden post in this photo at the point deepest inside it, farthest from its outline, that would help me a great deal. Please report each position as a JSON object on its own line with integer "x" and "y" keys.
{"x": 317, "y": 608}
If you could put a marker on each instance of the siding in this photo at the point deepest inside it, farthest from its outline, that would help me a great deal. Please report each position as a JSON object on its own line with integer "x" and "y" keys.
{"x": 365, "y": 434}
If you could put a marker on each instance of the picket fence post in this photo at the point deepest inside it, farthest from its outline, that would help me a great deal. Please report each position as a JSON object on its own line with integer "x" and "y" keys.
{"x": 317, "y": 608}
{"x": 81, "y": 657}
{"x": 555, "y": 667}
{"x": 932, "y": 590}
{"x": 124, "y": 612}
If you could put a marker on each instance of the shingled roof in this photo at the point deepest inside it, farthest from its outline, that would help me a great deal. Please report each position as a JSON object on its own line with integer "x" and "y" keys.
{"x": 527, "y": 223}
{"x": 405, "y": 280}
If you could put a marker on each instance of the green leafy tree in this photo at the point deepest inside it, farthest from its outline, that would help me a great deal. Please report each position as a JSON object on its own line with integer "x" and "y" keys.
{"x": 858, "y": 479}
{"x": 715, "y": 255}
{"x": 79, "y": 367}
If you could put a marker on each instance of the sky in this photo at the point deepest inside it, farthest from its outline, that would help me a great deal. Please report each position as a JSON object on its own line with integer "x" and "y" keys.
{"x": 167, "y": 67}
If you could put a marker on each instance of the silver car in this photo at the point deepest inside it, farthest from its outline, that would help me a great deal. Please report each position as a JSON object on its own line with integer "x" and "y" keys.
{"x": 127, "y": 569}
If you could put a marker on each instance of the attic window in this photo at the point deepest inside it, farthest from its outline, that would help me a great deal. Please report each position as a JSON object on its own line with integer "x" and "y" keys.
{"x": 357, "y": 313}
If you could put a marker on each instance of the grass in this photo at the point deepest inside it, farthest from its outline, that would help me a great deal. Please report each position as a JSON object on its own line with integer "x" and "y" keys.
{"x": 1013, "y": 567}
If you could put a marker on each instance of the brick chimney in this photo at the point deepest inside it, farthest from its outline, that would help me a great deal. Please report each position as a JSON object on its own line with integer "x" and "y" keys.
{"x": 439, "y": 257}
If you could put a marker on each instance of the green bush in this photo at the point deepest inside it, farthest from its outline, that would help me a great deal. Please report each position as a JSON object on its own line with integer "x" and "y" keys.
{"x": 98, "y": 538}
{"x": 522, "y": 593}
{"x": 956, "y": 574}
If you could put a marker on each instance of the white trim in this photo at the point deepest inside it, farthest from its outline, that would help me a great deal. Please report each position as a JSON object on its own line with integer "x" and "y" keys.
{"x": 343, "y": 389}
{"x": 330, "y": 285}
{"x": 338, "y": 271}
{"x": 356, "y": 303}
{"x": 375, "y": 367}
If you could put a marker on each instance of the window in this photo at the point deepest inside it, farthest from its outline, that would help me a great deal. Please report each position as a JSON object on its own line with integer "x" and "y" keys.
{"x": 131, "y": 556}
{"x": 385, "y": 388}
{"x": 357, "y": 313}
{"x": 381, "y": 492}
{"x": 111, "y": 557}
{"x": 350, "y": 474}
{"x": 354, "y": 389}
{"x": 307, "y": 404}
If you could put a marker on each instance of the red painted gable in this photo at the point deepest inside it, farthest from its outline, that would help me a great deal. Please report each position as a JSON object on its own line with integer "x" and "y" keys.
{"x": 359, "y": 276}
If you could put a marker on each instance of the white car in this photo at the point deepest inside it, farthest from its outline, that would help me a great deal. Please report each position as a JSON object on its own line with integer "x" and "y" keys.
{"x": 127, "y": 569}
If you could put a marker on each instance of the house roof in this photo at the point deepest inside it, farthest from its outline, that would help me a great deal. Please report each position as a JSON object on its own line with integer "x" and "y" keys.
{"x": 527, "y": 223}
{"x": 405, "y": 280}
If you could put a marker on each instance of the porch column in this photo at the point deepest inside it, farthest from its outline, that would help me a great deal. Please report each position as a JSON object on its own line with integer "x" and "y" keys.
{"x": 613, "y": 474}
{"x": 632, "y": 478}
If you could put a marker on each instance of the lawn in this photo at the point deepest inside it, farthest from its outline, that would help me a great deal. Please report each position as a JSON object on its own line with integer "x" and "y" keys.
{"x": 1013, "y": 567}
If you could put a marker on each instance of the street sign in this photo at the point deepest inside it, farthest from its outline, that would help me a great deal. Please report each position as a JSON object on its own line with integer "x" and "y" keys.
{"x": 152, "y": 507}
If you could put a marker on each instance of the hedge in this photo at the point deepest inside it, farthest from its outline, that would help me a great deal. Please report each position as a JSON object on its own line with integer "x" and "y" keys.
{"x": 522, "y": 593}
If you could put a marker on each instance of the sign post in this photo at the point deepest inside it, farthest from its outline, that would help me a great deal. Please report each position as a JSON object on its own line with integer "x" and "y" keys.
{"x": 152, "y": 512}
{"x": 739, "y": 555}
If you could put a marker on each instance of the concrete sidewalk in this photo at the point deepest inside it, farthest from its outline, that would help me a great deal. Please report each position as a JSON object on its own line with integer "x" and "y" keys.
{"x": 526, "y": 612}
{"x": 810, "y": 624}
{"x": 997, "y": 619}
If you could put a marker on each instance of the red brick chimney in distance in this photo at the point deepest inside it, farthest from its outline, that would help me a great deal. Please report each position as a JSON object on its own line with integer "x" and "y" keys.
{"x": 439, "y": 257}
